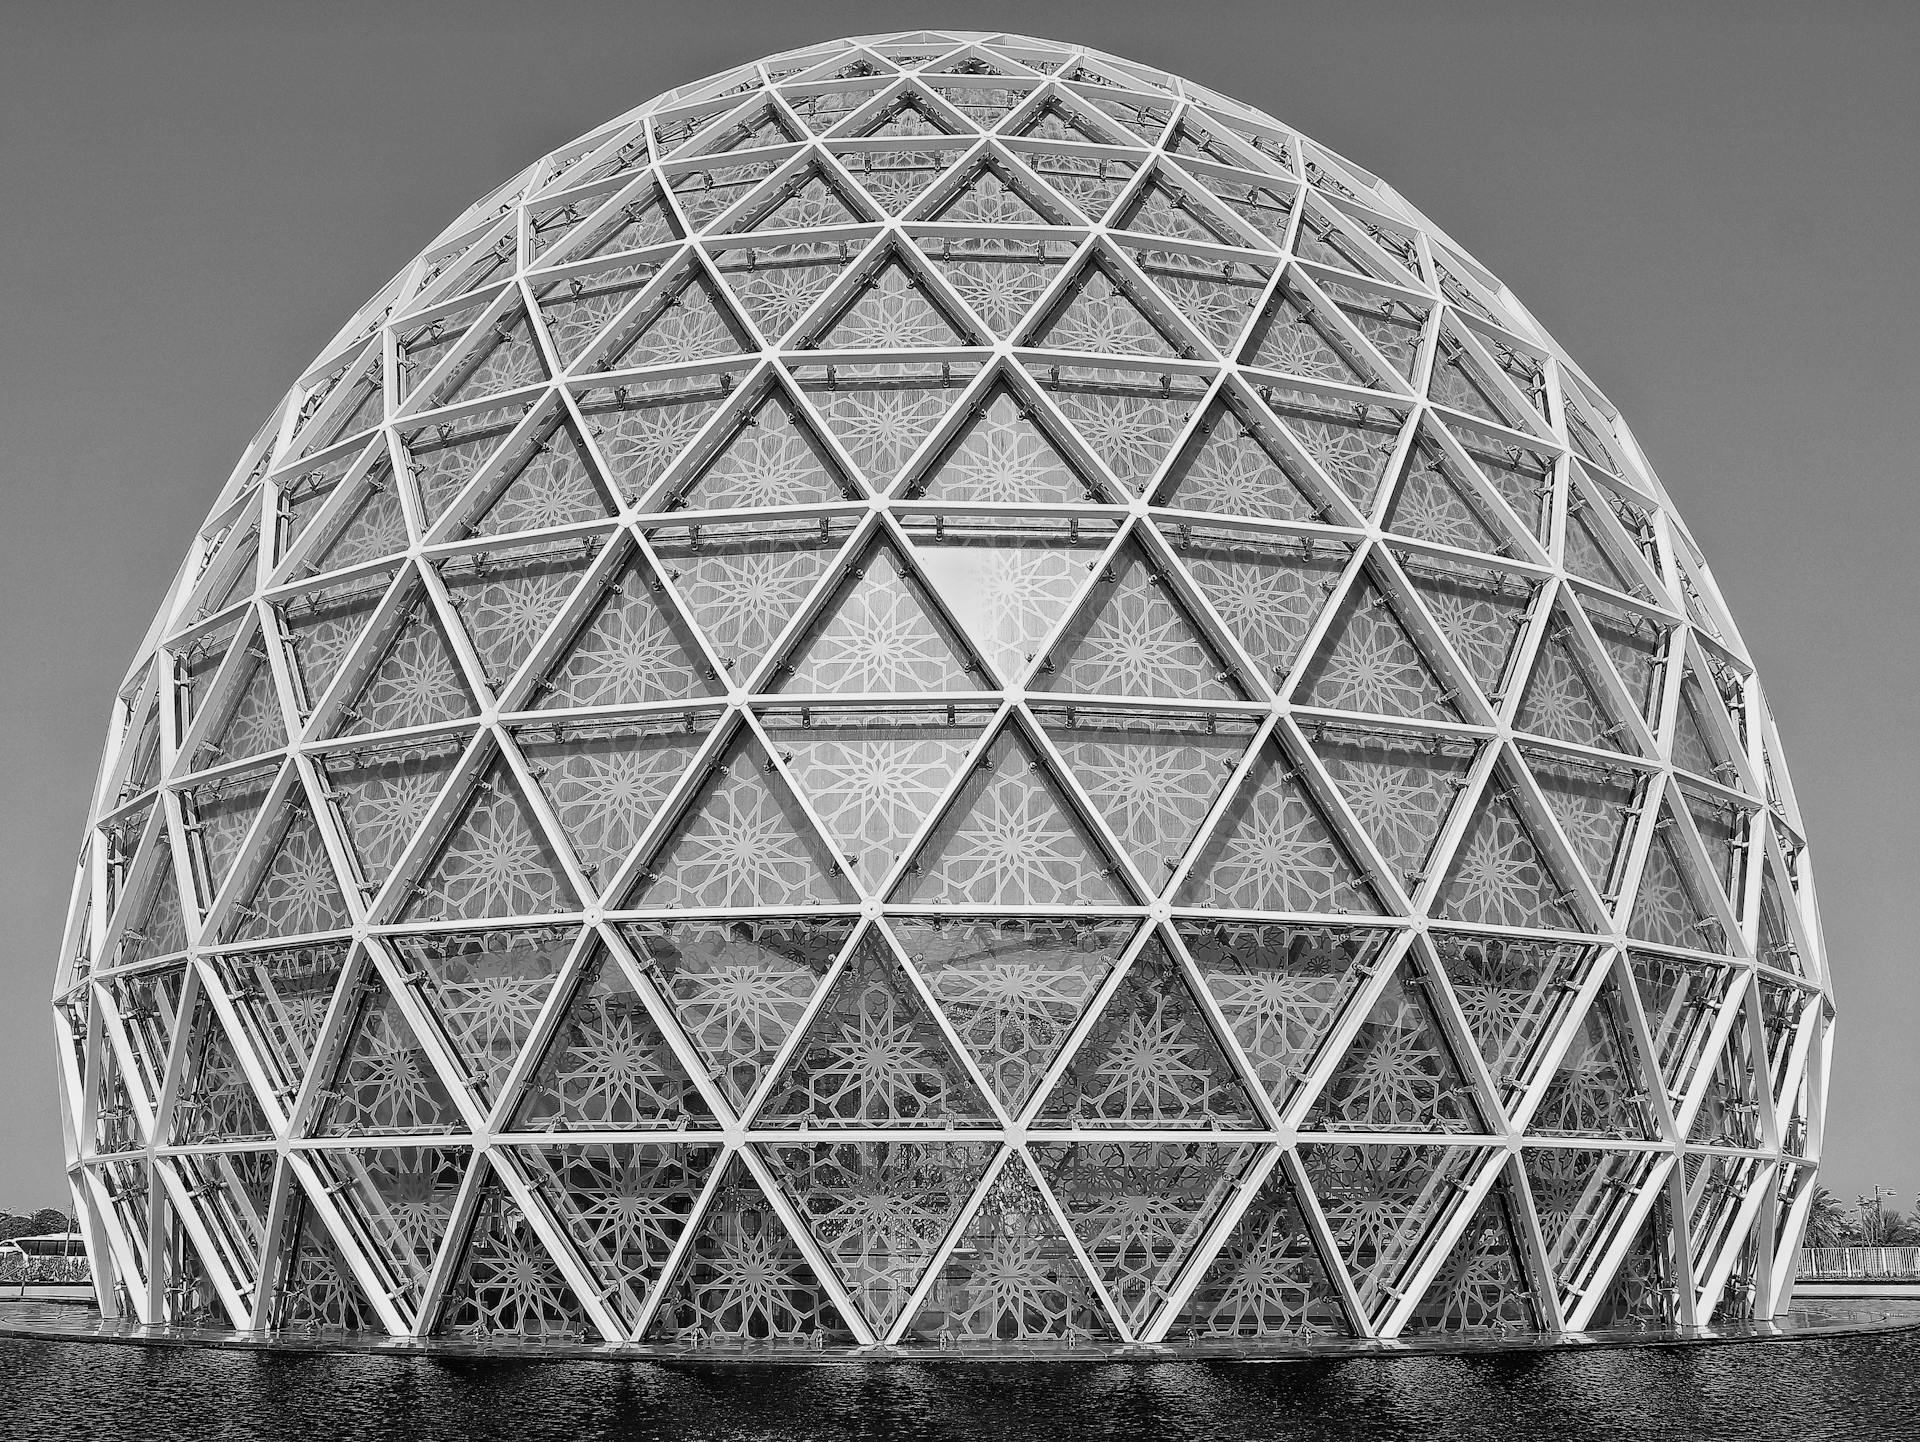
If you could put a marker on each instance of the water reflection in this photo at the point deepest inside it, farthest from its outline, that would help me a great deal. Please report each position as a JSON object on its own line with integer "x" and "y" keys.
{"x": 1840, "y": 1388}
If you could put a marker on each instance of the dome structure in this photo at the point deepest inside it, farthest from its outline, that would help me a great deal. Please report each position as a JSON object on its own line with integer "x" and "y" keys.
{"x": 943, "y": 691}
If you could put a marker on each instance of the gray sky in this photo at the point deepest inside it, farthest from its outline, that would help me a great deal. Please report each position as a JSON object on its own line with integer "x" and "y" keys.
{"x": 1712, "y": 206}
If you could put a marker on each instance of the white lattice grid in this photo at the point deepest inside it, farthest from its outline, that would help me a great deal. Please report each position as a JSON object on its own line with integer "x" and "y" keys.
{"x": 1264, "y": 321}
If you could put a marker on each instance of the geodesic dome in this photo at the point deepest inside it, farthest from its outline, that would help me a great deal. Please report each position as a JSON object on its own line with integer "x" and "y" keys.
{"x": 943, "y": 690}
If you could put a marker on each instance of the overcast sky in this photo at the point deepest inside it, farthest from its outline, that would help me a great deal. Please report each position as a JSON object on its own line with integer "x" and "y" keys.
{"x": 1714, "y": 207}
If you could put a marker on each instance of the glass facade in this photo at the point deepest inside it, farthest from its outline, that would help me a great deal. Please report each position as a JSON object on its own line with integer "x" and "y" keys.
{"x": 948, "y": 692}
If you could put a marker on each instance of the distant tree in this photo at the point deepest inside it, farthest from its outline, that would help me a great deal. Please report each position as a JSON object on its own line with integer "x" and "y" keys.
{"x": 12, "y": 1226}
{"x": 1827, "y": 1224}
{"x": 49, "y": 1219}
{"x": 1879, "y": 1225}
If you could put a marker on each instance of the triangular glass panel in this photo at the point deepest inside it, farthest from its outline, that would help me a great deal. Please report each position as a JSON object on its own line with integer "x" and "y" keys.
{"x": 1163, "y": 207}
{"x": 1581, "y": 1198}
{"x": 148, "y": 1003}
{"x": 1009, "y": 838}
{"x": 556, "y": 486}
{"x": 1668, "y": 904}
{"x": 1008, "y": 584}
{"x": 608, "y": 1067}
{"x": 506, "y": 599}
{"x": 629, "y": 648}
{"x": 690, "y": 323}
{"x": 322, "y": 626}
{"x": 160, "y": 928}
{"x": 1369, "y": 662}
{"x": 253, "y": 724}
{"x": 879, "y": 633}
{"x": 234, "y": 1193}
{"x": 1268, "y": 1280}
{"x": 297, "y": 892}
{"x": 1590, "y": 551}
{"x": 1399, "y": 1073}
{"x": 772, "y": 458}
{"x": 1141, "y": 1210}
{"x": 414, "y": 683}
{"x": 998, "y": 277}
{"x": 605, "y": 780}
{"x": 115, "y": 1125}
{"x": 1003, "y": 454}
{"x": 623, "y": 1205}
{"x": 743, "y": 841}
{"x": 1096, "y": 313}
{"x": 1293, "y": 337}
{"x": 282, "y": 997}
{"x": 576, "y": 310}
{"x": 879, "y": 1210}
{"x": 445, "y": 456}
{"x": 1090, "y": 182}
{"x": 873, "y": 1056}
{"x": 1392, "y": 323}
{"x": 809, "y": 199}
{"x": 1401, "y": 787}
{"x": 1598, "y": 1090}
{"x": 420, "y": 346}
{"x": 505, "y": 1283}
{"x": 1272, "y": 850}
{"x": 1384, "y": 1205}
{"x": 494, "y": 862}
{"x": 370, "y": 526}
{"x": 1282, "y": 988}
{"x": 743, "y": 1280}
{"x": 642, "y": 428}
{"x": 881, "y": 414}
{"x": 1681, "y": 999}
{"x": 1729, "y": 1111}
{"x": 1153, "y": 779}
{"x": 1698, "y": 745}
{"x": 1511, "y": 990}
{"x": 1129, "y": 419}
{"x": 644, "y": 220}
{"x": 1723, "y": 827}
{"x": 1052, "y": 121}
{"x": 779, "y": 284}
{"x": 1350, "y": 443}
{"x": 1500, "y": 877}
{"x": 486, "y": 990}
{"x": 1227, "y": 466}
{"x": 743, "y": 583}
{"x": 317, "y": 1290}
{"x": 1595, "y": 806}
{"x": 383, "y": 795}
{"x": 384, "y": 1082}
{"x": 1013, "y": 990}
{"x": 764, "y": 125}
{"x": 1459, "y": 380}
{"x": 1012, "y": 1277}
{"x": 1484, "y": 1285}
{"x": 894, "y": 179}
{"x": 1266, "y": 208}
{"x": 1217, "y": 297}
{"x": 1777, "y": 947}
{"x": 1267, "y": 591}
{"x": 1522, "y": 475}
{"x": 1133, "y": 637}
{"x": 708, "y": 192}
{"x": 501, "y": 356}
{"x": 1480, "y": 611}
{"x": 824, "y": 109}
{"x": 872, "y": 778}
{"x": 1434, "y": 503}
{"x": 1150, "y": 1059}
{"x": 990, "y": 194}
{"x": 738, "y": 988}
{"x": 1636, "y": 645}
{"x": 215, "y": 1102}
{"x": 1564, "y": 699}
{"x": 398, "y": 1203}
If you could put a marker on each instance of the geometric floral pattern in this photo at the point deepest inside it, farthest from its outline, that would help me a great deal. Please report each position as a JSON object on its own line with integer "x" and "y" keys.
{"x": 956, "y": 694}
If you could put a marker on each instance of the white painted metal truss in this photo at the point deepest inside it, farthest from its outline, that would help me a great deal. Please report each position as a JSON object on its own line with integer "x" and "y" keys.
{"x": 944, "y": 691}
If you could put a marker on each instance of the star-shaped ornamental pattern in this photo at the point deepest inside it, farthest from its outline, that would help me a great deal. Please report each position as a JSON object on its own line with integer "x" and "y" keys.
{"x": 943, "y": 691}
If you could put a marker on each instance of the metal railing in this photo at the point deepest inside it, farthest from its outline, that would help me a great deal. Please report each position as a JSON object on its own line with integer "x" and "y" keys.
{"x": 1841, "y": 1263}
